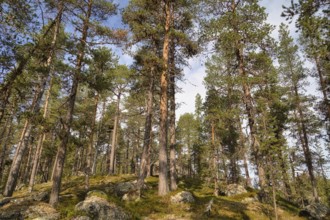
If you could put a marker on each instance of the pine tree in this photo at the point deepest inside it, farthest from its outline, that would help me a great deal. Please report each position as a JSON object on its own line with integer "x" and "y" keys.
{"x": 291, "y": 68}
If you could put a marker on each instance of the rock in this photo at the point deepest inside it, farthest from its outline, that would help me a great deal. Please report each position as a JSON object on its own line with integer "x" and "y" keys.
{"x": 41, "y": 211}
{"x": 100, "y": 209}
{"x": 97, "y": 193}
{"x": 9, "y": 213}
{"x": 133, "y": 195}
{"x": 122, "y": 188}
{"x": 109, "y": 189}
{"x": 40, "y": 197}
{"x": 316, "y": 211}
{"x": 234, "y": 189}
{"x": 183, "y": 197}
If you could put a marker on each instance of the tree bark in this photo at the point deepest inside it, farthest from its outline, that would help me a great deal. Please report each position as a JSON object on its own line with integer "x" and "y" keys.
{"x": 4, "y": 143}
{"x": 163, "y": 187}
{"x": 251, "y": 118}
{"x": 61, "y": 152}
{"x": 23, "y": 142}
{"x": 214, "y": 161}
{"x": 173, "y": 174}
{"x": 147, "y": 133}
{"x": 114, "y": 137}
{"x": 41, "y": 140}
{"x": 89, "y": 159}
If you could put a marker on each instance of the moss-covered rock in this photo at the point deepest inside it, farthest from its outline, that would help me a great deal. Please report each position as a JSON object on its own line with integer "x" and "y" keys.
{"x": 100, "y": 209}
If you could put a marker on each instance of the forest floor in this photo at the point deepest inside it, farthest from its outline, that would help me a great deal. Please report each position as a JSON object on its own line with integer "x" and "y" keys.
{"x": 152, "y": 206}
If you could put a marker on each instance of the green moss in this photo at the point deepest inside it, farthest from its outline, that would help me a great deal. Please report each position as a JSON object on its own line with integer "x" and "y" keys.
{"x": 152, "y": 206}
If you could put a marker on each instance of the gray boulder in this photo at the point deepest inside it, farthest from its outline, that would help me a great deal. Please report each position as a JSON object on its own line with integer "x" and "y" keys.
{"x": 41, "y": 211}
{"x": 316, "y": 211}
{"x": 100, "y": 209}
{"x": 183, "y": 197}
{"x": 123, "y": 188}
{"x": 234, "y": 189}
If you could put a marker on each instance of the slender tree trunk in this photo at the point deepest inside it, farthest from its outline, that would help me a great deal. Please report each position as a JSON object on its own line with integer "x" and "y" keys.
{"x": 147, "y": 133}
{"x": 242, "y": 140}
{"x": 29, "y": 162}
{"x": 23, "y": 142}
{"x": 302, "y": 130}
{"x": 6, "y": 86}
{"x": 214, "y": 161}
{"x": 273, "y": 191}
{"x": 323, "y": 86}
{"x": 293, "y": 172}
{"x": 114, "y": 137}
{"x": 285, "y": 176}
{"x": 163, "y": 187}
{"x": 173, "y": 175}
{"x": 89, "y": 158}
{"x": 42, "y": 136}
{"x": 61, "y": 152}
{"x": 41, "y": 139}
{"x": 5, "y": 134}
{"x": 251, "y": 119}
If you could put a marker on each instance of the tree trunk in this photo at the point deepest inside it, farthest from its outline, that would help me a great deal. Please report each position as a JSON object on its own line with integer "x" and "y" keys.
{"x": 23, "y": 142}
{"x": 214, "y": 161}
{"x": 147, "y": 133}
{"x": 50, "y": 59}
{"x": 173, "y": 175}
{"x": 89, "y": 158}
{"x": 323, "y": 86}
{"x": 41, "y": 140}
{"x": 242, "y": 140}
{"x": 163, "y": 187}
{"x": 251, "y": 118}
{"x": 61, "y": 152}
{"x": 5, "y": 89}
{"x": 302, "y": 130}
{"x": 5, "y": 134}
{"x": 29, "y": 162}
{"x": 114, "y": 138}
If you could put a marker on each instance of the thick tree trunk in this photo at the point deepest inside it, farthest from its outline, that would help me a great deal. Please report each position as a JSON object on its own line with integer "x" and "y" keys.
{"x": 61, "y": 152}
{"x": 163, "y": 187}
{"x": 114, "y": 138}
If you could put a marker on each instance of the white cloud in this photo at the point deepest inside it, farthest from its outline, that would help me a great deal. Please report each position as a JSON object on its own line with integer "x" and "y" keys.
{"x": 191, "y": 85}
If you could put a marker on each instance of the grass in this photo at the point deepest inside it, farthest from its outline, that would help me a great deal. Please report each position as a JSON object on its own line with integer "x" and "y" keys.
{"x": 152, "y": 206}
